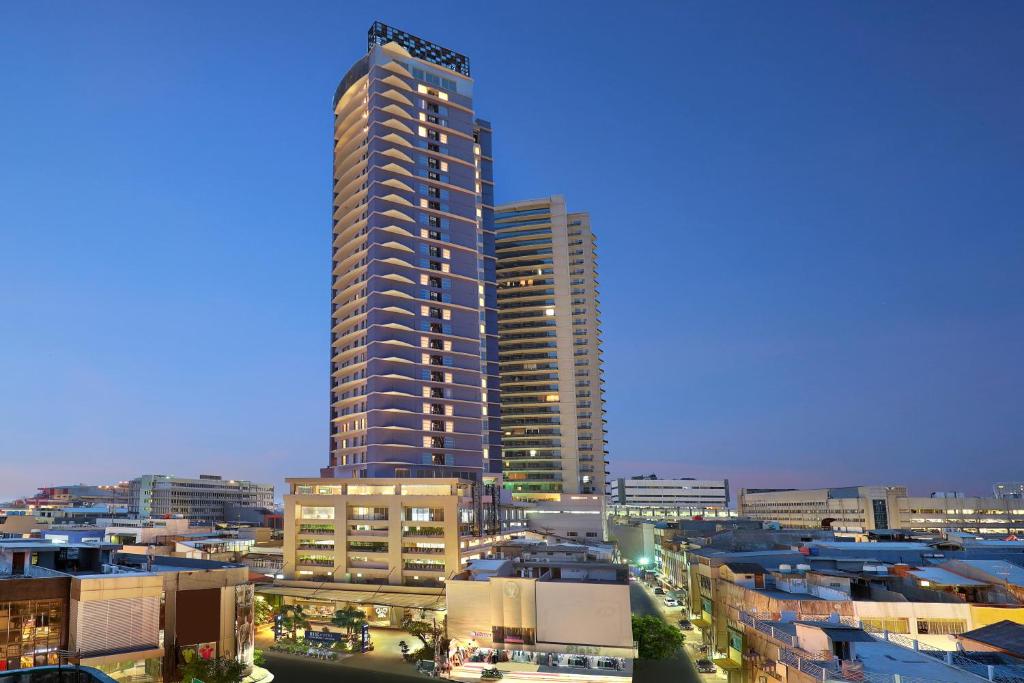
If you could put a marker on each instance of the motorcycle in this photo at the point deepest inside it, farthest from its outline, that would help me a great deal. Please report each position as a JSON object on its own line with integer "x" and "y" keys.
{"x": 491, "y": 674}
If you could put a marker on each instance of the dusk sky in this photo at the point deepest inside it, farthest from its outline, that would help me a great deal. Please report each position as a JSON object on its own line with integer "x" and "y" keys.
{"x": 810, "y": 219}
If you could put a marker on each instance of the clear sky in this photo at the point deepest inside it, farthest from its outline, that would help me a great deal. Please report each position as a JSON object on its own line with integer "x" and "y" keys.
{"x": 809, "y": 218}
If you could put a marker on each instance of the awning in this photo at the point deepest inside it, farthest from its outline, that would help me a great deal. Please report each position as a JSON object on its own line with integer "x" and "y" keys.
{"x": 727, "y": 664}
{"x": 701, "y": 623}
{"x": 370, "y": 597}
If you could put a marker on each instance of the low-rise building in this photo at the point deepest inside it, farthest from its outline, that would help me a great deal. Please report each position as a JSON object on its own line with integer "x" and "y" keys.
{"x": 866, "y": 508}
{"x": 536, "y": 613}
{"x": 386, "y": 546}
{"x": 650, "y": 491}
{"x": 208, "y": 498}
{"x": 1008, "y": 489}
{"x": 573, "y": 517}
{"x": 133, "y": 617}
{"x": 924, "y": 594}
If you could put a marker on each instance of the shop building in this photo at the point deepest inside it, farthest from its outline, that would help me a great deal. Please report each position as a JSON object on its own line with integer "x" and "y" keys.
{"x": 533, "y": 614}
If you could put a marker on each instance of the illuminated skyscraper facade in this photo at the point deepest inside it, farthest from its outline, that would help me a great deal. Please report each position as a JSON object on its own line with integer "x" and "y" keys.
{"x": 414, "y": 367}
{"x": 550, "y": 353}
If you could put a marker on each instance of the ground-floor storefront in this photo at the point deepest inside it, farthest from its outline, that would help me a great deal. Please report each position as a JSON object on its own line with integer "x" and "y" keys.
{"x": 381, "y": 609}
{"x": 467, "y": 662}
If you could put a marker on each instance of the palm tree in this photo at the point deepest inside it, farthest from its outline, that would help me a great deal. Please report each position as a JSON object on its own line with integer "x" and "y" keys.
{"x": 292, "y": 618}
{"x": 349, "y": 618}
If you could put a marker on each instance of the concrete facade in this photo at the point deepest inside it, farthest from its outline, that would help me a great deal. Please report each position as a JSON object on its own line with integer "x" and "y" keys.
{"x": 201, "y": 499}
{"x": 411, "y": 532}
{"x": 867, "y": 508}
{"x": 670, "y": 493}
{"x": 551, "y": 367}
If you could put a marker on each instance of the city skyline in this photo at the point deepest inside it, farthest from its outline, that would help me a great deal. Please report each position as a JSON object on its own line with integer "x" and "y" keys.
{"x": 813, "y": 287}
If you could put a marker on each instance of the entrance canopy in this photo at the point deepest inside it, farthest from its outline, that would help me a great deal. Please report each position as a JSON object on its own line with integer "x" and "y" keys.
{"x": 367, "y": 597}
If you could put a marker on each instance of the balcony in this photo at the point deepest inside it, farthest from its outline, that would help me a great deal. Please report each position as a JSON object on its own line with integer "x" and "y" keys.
{"x": 316, "y": 529}
{"x": 423, "y": 566}
{"x": 314, "y": 562}
{"x": 367, "y": 547}
{"x": 423, "y": 531}
{"x": 367, "y": 564}
{"x": 412, "y": 550}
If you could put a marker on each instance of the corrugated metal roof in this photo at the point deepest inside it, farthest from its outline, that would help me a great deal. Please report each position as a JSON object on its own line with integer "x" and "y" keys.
{"x": 944, "y": 577}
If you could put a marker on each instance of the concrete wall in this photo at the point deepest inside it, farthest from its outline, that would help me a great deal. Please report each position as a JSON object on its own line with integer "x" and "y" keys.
{"x": 565, "y": 615}
{"x": 596, "y": 615}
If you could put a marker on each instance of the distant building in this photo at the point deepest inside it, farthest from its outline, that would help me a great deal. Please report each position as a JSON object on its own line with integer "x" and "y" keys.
{"x": 650, "y": 491}
{"x": 205, "y": 499}
{"x": 1009, "y": 489}
{"x": 80, "y": 495}
{"x": 867, "y": 508}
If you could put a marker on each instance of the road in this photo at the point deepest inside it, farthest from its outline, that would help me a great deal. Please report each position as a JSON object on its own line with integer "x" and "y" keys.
{"x": 383, "y": 664}
{"x": 294, "y": 669}
{"x": 679, "y": 669}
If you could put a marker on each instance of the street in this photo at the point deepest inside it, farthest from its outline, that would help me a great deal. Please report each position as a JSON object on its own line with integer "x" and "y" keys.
{"x": 644, "y": 602}
{"x": 296, "y": 669}
{"x": 383, "y": 663}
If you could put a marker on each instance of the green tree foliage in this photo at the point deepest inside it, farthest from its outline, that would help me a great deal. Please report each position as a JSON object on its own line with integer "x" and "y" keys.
{"x": 349, "y": 618}
{"x": 217, "y": 670}
{"x": 655, "y": 639}
{"x": 263, "y": 612}
{"x": 421, "y": 629}
{"x": 292, "y": 619}
{"x": 427, "y": 632}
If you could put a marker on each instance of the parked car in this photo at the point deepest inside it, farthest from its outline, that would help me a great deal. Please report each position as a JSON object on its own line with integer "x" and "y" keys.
{"x": 659, "y": 591}
{"x": 671, "y": 602}
{"x": 706, "y": 666}
{"x": 685, "y": 625}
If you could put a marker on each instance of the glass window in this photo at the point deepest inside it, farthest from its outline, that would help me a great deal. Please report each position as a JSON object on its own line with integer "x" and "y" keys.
{"x": 315, "y": 512}
{"x": 371, "y": 490}
{"x": 426, "y": 490}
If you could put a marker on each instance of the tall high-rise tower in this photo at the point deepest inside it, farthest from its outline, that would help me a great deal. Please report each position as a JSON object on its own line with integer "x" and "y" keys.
{"x": 550, "y": 356}
{"x": 414, "y": 371}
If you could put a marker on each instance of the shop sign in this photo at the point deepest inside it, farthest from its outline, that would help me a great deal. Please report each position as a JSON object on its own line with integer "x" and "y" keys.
{"x": 323, "y": 637}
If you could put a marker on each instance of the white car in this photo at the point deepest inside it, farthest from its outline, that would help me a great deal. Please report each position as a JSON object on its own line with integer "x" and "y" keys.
{"x": 671, "y": 602}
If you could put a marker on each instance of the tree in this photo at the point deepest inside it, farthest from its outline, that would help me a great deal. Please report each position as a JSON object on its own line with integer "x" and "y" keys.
{"x": 421, "y": 629}
{"x": 349, "y": 618}
{"x": 655, "y": 639}
{"x": 263, "y": 612}
{"x": 292, "y": 618}
{"x": 428, "y": 634}
{"x": 217, "y": 670}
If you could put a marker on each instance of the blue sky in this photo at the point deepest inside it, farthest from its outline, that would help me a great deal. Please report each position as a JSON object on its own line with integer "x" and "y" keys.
{"x": 809, "y": 219}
